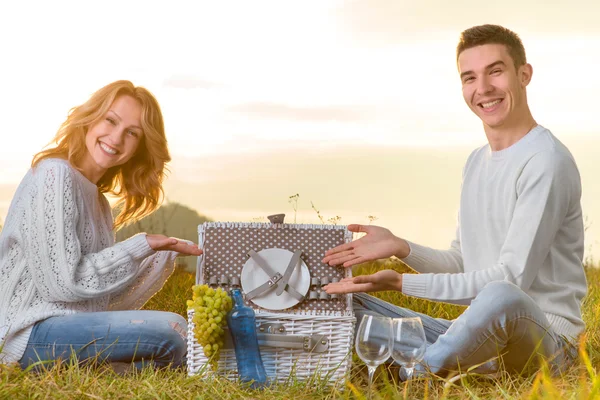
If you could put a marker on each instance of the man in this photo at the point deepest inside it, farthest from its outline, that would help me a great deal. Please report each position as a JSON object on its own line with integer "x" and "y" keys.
{"x": 517, "y": 256}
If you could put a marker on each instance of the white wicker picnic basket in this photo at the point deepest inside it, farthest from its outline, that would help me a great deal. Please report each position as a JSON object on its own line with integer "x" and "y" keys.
{"x": 303, "y": 332}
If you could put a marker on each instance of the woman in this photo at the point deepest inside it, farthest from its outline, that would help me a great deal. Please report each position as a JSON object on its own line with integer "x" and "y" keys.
{"x": 64, "y": 283}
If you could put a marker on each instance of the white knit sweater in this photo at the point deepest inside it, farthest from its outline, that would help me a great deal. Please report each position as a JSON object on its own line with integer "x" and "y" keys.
{"x": 520, "y": 220}
{"x": 58, "y": 256}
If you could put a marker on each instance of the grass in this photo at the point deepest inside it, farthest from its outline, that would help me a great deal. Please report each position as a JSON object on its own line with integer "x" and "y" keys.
{"x": 71, "y": 381}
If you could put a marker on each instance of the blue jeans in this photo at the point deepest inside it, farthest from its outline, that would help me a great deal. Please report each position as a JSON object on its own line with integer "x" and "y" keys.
{"x": 502, "y": 326}
{"x": 139, "y": 337}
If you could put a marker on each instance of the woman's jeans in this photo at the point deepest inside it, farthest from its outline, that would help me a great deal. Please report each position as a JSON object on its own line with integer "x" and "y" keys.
{"x": 140, "y": 337}
{"x": 503, "y": 326}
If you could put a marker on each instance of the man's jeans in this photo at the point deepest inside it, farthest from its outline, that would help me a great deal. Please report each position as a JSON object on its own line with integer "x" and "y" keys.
{"x": 503, "y": 325}
{"x": 139, "y": 336}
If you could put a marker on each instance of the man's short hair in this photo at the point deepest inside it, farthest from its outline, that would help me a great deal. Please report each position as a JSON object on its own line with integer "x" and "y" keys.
{"x": 493, "y": 34}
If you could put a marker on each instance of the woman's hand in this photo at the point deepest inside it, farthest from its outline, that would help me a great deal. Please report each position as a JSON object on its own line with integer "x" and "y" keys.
{"x": 383, "y": 280}
{"x": 183, "y": 247}
{"x": 377, "y": 243}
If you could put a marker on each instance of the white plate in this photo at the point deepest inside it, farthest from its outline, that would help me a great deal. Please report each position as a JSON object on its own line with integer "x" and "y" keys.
{"x": 278, "y": 259}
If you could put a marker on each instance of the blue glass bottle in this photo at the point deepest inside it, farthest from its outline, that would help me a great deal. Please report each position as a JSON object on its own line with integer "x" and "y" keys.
{"x": 242, "y": 326}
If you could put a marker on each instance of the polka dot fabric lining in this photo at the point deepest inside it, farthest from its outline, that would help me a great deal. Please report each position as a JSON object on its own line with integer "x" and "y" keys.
{"x": 226, "y": 247}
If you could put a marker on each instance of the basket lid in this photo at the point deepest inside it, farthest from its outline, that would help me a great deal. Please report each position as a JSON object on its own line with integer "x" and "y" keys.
{"x": 227, "y": 247}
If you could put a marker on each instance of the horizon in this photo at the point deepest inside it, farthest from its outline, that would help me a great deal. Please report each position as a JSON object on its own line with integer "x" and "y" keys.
{"x": 242, "y": 188}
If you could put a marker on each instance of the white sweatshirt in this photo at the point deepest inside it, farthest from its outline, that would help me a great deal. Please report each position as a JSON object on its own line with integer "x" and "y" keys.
{"x": 520, "y": 220}
{"x": 58, "y": 256}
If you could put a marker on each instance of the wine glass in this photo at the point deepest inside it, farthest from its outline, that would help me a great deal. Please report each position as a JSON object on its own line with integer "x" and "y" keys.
{"x": 373, "y": 342}
{"x": 408, "y": 343}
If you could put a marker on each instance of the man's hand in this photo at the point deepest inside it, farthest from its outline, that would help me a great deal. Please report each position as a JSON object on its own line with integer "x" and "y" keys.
{"x": 377, "y": 243}
{"x": 383, "y": 280}
{"x": 183, "y": 247}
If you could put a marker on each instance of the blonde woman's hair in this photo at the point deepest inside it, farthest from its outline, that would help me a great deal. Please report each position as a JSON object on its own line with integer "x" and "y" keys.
{"x": 138, "y": 183}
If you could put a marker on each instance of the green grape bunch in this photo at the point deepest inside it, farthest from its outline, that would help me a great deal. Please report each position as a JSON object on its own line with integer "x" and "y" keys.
{"x": 210, "y": 309}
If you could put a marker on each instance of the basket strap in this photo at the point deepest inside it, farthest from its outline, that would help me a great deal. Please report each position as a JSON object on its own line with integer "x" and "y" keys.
{"x": 288, "y": 272}
{"x": 265, "y": 287}
{"x": 315, "y": 343}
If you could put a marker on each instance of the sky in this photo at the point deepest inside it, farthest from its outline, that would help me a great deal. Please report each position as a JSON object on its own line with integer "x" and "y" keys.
{"x": 354, "y": 105}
